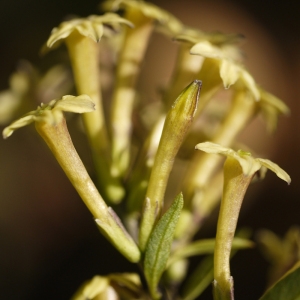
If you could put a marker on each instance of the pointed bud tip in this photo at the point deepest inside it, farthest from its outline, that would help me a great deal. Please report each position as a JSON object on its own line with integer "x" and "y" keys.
{"x": 194, "y": 93}
{"x": 198, "y": 82}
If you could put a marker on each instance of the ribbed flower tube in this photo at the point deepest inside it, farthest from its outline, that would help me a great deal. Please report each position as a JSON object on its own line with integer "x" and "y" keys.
{"x": 59, "y": 141}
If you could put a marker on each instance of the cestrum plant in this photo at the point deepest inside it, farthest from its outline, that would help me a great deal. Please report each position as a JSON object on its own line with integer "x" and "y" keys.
{"x": 160, "y": 189}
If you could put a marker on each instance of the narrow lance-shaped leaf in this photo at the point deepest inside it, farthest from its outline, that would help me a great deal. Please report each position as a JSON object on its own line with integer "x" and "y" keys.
{"x": 159, "y": 246}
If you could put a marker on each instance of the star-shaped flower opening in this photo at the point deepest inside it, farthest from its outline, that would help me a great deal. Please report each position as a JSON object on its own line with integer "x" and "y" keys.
{"x": 94, "y": 27}
{"x": 249, "y": 164}
{"x": 52, "y": 113}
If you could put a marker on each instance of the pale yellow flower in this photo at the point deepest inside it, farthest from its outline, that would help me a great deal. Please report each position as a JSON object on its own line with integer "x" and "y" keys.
{"x": 249, "y": 164}
{"x": 223, "y": 50}
{"x": 239, "y": 169}
{"x": 52, "y": 113}
{"x": 94, "y": 27}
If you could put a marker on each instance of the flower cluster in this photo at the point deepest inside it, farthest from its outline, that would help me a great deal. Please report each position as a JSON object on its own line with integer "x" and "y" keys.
{"x": 133, "y": 175}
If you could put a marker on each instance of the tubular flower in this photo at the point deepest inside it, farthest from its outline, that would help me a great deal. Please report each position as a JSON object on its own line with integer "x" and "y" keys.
{"x": 51, "y": 125}
{"x": 81, "y": 37}
{"x": 239, "y": 169}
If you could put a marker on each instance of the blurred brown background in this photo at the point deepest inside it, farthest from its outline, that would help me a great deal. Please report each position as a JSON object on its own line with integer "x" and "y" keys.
{"x": 48, "y": 242}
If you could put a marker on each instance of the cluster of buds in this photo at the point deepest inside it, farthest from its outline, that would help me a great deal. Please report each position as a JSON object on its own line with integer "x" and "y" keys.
{"x": 159, "y": 239}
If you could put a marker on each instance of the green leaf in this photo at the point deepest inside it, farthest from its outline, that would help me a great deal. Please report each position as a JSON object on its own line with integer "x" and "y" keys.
{"x": 159, "y": 246}
{"x": 199, "y": 280}
{"x": 205, "y": 246}
{"x": 286, "y": 288}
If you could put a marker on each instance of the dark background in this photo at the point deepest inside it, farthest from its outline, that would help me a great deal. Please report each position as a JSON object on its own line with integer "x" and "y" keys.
{"x": 48, "y": 242}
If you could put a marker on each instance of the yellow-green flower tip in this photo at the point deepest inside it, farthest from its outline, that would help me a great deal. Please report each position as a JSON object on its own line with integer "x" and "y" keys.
{"x": 52, "y": 112}
{"x": 92, "y": 27}
{"x": 151, "y": 11}
{"x": 249, "y": 164}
